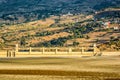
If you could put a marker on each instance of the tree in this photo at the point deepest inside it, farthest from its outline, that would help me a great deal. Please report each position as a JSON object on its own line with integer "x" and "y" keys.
{"x": 87, "y": 37}
{"x": 75, "y": 43}
{"x": 2, "y": 45}
{"x": 22, "y": 41}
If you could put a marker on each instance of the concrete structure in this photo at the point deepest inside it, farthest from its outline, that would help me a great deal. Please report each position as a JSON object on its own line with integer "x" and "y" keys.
{"x": 55, "y": 51}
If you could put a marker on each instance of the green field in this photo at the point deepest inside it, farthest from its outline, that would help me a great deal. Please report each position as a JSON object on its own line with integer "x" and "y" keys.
{"x": 60, "y": 68}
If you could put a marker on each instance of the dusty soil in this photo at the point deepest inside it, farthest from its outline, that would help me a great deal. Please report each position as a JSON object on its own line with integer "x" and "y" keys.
{"x": 60, "y": 68}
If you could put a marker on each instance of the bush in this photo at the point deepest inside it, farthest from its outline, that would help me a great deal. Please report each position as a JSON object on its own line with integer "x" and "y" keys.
{"x": 23, "y": 41}
{"x": 75, "y": 43}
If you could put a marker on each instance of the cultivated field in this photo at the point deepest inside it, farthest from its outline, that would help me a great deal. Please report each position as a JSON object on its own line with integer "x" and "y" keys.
{"x": 60, "y": 68}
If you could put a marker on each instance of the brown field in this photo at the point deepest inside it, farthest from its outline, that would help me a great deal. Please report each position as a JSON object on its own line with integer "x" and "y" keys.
{"x": 60, "y": 68}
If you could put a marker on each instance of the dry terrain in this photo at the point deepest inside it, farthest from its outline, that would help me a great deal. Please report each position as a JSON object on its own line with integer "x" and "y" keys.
{"x": 60, "y": 68}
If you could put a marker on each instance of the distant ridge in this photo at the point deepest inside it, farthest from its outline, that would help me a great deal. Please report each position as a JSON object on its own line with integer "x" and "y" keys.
{"x": 18, "y": 11}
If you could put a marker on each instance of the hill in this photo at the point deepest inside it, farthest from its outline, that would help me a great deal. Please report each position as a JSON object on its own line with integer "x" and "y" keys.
{"x": 65, "y": 30}
{"x": 50, "y": 23}
{"x": 18, "y": 11}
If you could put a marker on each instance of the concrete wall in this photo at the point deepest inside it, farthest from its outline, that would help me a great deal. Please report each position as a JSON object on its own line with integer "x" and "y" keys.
{"x": 36, "y": 52}
{"x": 3, "y": 54}
{"x": 50, "y": 54}
{"x": 110, "y": 53}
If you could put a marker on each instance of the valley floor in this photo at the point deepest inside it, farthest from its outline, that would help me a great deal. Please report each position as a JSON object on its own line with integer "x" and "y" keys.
{"x": 60, "y": 68}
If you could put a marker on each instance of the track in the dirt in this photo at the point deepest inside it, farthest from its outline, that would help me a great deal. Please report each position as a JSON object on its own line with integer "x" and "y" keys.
{"x": 59, "y": 73}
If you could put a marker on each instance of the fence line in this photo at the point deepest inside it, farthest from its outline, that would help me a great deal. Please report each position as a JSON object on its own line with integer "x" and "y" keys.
{"x": 90, "y": 51}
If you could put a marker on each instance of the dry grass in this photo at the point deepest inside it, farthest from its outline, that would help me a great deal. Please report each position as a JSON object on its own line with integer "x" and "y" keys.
{"x": 63, "y": 74}
{"x": 60, "y": 68}
{"x": 41, "y": 77}
{"x": 58, "y": 73}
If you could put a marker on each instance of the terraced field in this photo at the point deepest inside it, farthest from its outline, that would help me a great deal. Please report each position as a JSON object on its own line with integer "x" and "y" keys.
{"x": 60, "y": 68}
